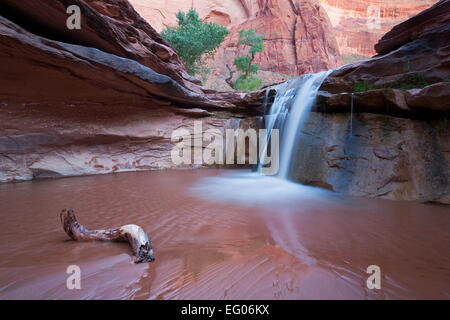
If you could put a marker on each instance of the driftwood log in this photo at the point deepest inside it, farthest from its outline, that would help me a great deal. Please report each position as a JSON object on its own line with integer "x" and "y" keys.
{"x": 135, "y": 235}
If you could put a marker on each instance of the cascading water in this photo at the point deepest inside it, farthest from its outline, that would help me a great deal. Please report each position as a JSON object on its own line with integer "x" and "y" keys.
{"x": 289, "y": 112}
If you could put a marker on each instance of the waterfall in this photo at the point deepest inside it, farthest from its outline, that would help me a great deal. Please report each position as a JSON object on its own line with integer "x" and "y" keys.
{"x": 289, "y": 111}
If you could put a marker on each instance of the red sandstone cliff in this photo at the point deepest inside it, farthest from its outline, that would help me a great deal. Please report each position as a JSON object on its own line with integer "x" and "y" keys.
{"x": 396, "y": 142}
{"x": 359, "y": 24}
{"x": 102, "y": 99}
{"x": 298, "y": 35}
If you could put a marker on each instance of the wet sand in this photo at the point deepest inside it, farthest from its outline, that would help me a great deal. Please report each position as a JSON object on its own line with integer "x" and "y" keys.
{"x": 210, "y": 243}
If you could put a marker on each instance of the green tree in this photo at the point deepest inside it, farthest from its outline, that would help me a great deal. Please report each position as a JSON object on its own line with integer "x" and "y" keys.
{"x": 248, "y": 80}
{"x": 194, "y": 40}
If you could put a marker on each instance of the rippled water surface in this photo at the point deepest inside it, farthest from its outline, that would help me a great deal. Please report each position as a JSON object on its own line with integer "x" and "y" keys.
{"x": 218, "y": 235}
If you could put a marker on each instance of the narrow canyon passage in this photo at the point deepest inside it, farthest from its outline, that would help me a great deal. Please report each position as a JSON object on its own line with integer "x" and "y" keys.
{"x": 264, "y": 239}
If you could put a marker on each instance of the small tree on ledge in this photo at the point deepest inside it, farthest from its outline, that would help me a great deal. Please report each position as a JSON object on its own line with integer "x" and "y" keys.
{"x": 195, "y": 41}
{"x": 247, "y": 80}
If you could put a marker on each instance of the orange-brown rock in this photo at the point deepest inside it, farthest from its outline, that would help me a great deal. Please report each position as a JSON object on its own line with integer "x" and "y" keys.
{"x": 359, "y": 24}
{"x": 297, "y": 38}
{"x": 112, "y": 26}
{"x": 396, "y": 142}
{"x": 427, "y": 57}
{"x": 71, "y": 109}
{"x": 297, "y": 35}
{"x": 161, "y": 13}
{"x": 410, "y": 30}
{"x": 356, "y": 24}
{"x": 375, "y": 155}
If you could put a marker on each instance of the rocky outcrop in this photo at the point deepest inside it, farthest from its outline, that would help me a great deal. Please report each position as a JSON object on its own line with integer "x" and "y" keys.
{"x": 359, "y": 24}
{"x": 161, "y": 13}
{"x": 374, "y": 155}
{"x": 297, "y": 38}
{"x": 111, "y": 26}
{"x": 61, "y": 71}
{"x": 381, "y": 126}
{"x": 70, "y": 109}
{"x": 416, "y": 27}
{"x": 398, "y": 81}
{"x": 297, "y": 35}
{"x": 98, "y": 103}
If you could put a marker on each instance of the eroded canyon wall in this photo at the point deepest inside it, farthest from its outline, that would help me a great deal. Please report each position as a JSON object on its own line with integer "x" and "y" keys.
{"x": 298, "y": 36}
{"x": 359, "y": 24}
{"x": 390, "y": 138}
{"x": 95, "y": 102}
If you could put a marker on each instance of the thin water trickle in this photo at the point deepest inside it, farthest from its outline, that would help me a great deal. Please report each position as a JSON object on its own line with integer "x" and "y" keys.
{"x": 351, "y": 115}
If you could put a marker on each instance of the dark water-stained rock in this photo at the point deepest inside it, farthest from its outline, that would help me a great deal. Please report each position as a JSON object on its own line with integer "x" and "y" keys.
{"x": 395, "y": 145}
{"x": 375, "y": 156}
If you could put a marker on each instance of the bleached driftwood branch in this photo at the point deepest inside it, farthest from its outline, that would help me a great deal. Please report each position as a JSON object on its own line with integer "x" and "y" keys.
{"x": 135, "y": 235}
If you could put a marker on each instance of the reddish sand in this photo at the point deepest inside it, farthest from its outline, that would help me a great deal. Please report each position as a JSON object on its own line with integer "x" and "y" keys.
{"x": 315, "y": 248}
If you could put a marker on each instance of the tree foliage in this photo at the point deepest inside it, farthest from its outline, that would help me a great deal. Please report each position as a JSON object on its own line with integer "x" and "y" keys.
{"x": 194, "y": 40}
{"x": 248, "y": 80}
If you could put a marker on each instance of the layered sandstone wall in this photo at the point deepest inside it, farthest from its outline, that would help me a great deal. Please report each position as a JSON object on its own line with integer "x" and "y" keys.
{"x": 95, "y": 103}
{"x": 375, "y": 155}
{"x": 356, "y": 25}
{"x": 161, "y": 13}
{"x": 297, "y": 35}
{"x": 359, "y": 24}
{"x": 390, "y": 141}
{"x": 92, "y": 101}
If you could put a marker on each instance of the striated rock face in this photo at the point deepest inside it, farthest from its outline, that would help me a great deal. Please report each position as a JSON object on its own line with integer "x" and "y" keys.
{"x": 425, "y": 59}
{"x": 111, "y": 26}
{"x": 376, "y": 156}
{"x": 42, "y": 140}
{"x": 396, "y": 144}
{"x": 69, "y": 109}
{"x": 97, "y": 101}
{"x": 359, "y": 24}
{"x": 416, "y": 27}
{"x": 298, "y": 36}
{"x": 161, "y": 13}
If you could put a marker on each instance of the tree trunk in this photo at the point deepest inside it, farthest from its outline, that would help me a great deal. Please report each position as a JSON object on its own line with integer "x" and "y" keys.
{"x": 131, "y": 233}
{"x": 249, "y": 65}
{"x": 229, "y": 80}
